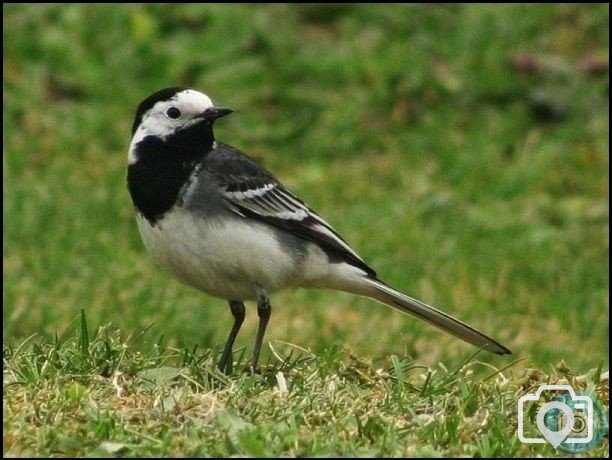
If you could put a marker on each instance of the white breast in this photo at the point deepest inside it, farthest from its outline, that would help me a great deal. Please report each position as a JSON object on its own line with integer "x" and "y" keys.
{"x": 225, "y": 258}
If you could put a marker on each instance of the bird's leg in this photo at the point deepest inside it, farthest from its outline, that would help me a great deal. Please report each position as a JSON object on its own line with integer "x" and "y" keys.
{"x": 237, "y": 308}
{"x": 264, "y": 310}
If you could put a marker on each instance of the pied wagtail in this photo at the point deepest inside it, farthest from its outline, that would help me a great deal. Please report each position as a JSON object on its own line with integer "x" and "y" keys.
{"x": 223, "y": 224}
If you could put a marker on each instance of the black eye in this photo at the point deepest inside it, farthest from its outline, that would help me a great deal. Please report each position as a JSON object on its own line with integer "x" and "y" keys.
{"x": 173, "y": 112}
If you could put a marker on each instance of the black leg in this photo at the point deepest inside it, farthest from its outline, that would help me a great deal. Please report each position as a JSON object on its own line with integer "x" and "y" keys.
{"x": 264, "y": 310}
{"x": 237, "y": 308}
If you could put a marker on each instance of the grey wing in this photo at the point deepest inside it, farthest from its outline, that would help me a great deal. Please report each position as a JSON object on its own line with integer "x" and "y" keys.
{"x": 272, "y": 203}
{"x": 252, "y": 192}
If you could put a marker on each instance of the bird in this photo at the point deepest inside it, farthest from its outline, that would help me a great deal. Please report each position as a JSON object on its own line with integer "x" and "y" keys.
{"x": 220, "y": 222}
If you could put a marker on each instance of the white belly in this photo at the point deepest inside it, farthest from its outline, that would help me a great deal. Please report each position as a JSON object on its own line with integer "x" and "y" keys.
{"x": 226, "y": 259}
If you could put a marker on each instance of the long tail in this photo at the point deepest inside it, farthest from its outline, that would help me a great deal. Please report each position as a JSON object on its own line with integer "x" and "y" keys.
{"x": 378, "y": 290}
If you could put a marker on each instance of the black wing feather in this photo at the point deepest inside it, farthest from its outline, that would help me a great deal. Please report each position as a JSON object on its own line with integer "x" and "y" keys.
{"x": 253, "y": 192}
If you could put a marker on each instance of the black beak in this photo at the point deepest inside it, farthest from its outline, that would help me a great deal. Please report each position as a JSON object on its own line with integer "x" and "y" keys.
{"x": 212, "y": 113}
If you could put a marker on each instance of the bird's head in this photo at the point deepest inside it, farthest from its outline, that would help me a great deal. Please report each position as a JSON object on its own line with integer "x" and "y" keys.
{"x": 172, "y": 110}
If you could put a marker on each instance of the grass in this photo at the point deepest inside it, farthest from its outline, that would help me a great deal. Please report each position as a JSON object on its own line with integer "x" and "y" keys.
{"x": 461, "y": 149}
{"x": 83, "y": 395}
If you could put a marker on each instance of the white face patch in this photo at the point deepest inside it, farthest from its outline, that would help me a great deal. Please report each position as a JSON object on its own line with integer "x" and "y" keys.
{"x": 166, "y": 117}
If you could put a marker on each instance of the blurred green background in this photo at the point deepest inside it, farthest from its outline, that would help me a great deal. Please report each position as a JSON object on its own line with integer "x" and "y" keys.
{"x": 461, "y": 149}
